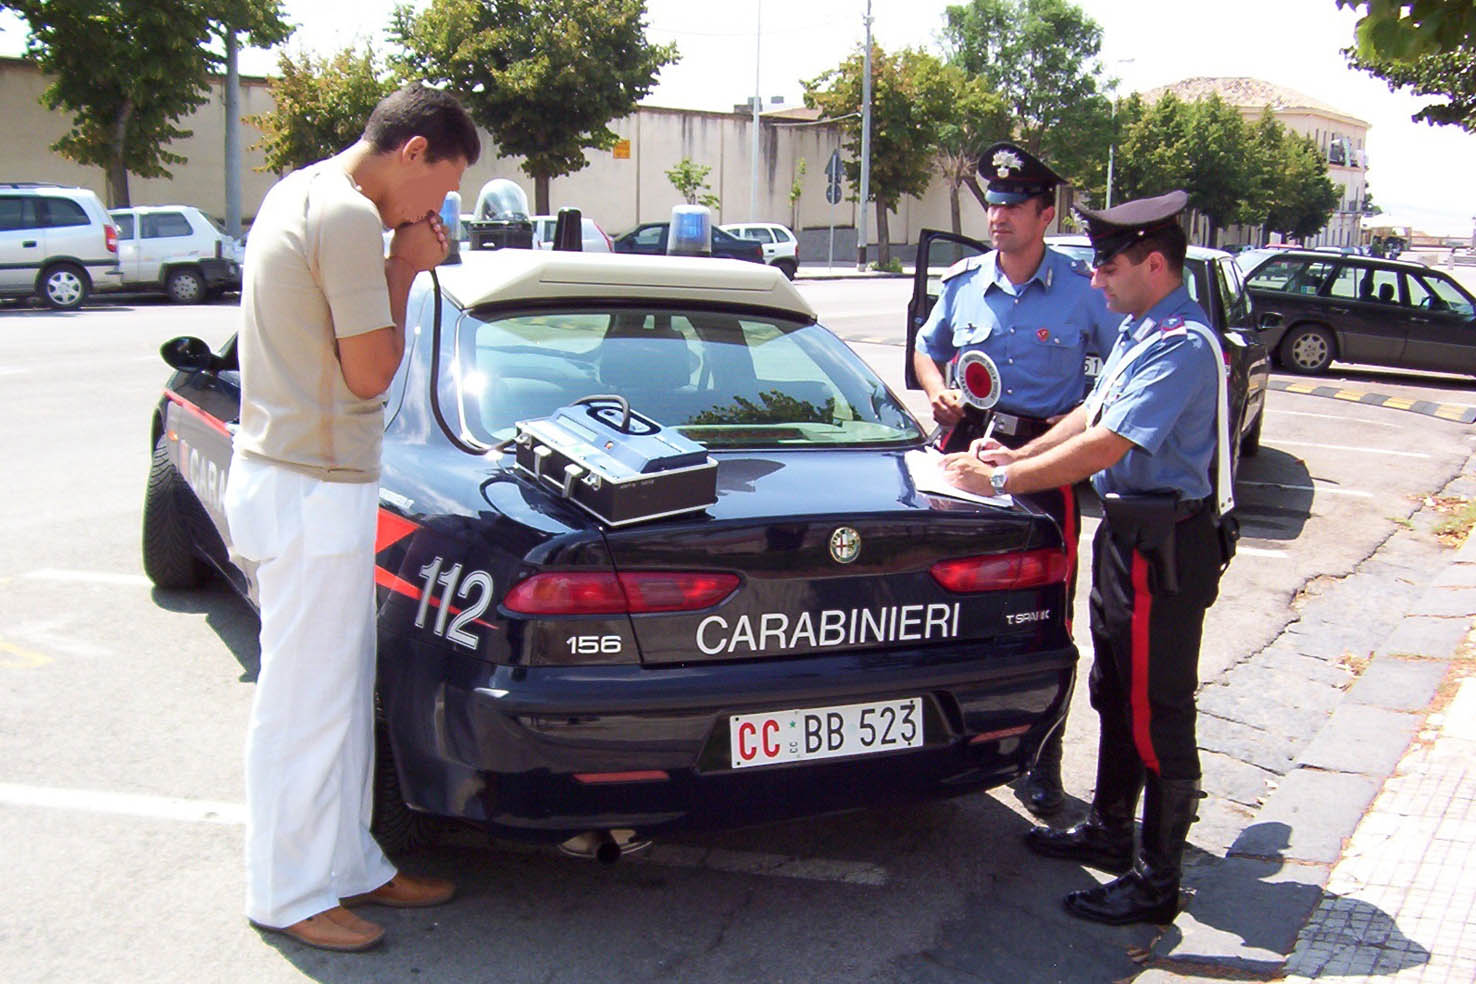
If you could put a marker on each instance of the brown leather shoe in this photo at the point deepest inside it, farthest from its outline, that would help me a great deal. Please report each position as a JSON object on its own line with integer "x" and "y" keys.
{"x": 334, "y": 929}
{"x": 407, "y": 892}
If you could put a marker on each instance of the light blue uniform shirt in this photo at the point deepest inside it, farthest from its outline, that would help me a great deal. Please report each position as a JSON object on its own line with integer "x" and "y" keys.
{"x": 1038, "y": 333}
{"x": 1164, "y": 402}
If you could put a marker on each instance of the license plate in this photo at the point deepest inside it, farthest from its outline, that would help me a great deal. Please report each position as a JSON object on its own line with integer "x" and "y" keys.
{"x": 825, "y": 732}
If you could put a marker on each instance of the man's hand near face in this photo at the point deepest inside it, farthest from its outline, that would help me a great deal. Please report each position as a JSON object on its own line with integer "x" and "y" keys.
{"x": 422, "y": 244}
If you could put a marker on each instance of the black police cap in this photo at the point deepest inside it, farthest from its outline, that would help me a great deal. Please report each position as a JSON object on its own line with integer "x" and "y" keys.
{"x": 1113, "y": 230}
{"x": 1014, "y": 174}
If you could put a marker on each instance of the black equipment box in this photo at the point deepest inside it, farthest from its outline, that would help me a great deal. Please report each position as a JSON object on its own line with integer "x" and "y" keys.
{"x": 615, "y": 464}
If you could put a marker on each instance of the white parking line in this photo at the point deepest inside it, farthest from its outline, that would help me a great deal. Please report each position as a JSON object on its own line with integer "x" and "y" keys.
{"x": 123, "y": 804}
{"x": 1322, "y": 488}
{"x": 1259, "y": 551}
{"x": 1347, "y": 447}
{"x": 89, "y": 577}
{"x": 1335, "y": 416}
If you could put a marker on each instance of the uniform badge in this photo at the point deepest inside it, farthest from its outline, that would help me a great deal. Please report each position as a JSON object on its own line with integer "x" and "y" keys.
{"x": 1173, "y": 324}
{"x": 1006, "y": 161}
{"x": 1044, "y": 334}
{"x": 845, "y": 545}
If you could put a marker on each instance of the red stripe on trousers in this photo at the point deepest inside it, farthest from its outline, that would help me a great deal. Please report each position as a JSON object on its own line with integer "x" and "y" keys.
{"x": 1142, "y": 716}
{"x": 1071, "y": 533}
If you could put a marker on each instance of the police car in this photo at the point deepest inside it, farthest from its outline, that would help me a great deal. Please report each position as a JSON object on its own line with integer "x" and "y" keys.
{"x": 828, "y": 631}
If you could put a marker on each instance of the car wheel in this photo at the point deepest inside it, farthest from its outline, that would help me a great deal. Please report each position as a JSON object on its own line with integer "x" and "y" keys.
{"x": 185, "y": 286}
{"x": 168, "y": 557}
{"x": 395, "y": 826}
{"x": 1250, "y": 441}
{"x": 788, "y": 266}
{"x": 1307, "y": 349}
{"x": 64, "y": 287}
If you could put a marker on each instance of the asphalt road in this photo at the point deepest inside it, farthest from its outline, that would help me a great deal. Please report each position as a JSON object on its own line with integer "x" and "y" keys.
{"x": 122, "y": 712}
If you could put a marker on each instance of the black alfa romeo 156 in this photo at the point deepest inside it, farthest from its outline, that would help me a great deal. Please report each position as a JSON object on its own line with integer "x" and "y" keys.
{"x": 832, "y": 632}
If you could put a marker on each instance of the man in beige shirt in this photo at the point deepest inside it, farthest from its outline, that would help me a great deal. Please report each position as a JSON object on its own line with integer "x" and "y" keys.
{"x": 323, "y": 333}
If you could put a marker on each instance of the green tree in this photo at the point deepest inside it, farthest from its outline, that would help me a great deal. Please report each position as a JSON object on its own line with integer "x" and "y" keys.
{"x": 1449, "y": 76}
{"x": 969, "y": 122}
{"x": 1152, "y": 157}
{"x": 544, "y": 77}
{"x": 796, "y": 189}
{"x": 1220, "y": 175}
{"x": 1303, "y": 197}
{"x": 1404, "y": 30}
{"x": 909, "y": 100}
{"x": 128, "y": 70}
{"x": 1041, "y": 56}
{"x": 690, "y": 181}
{"x": 319, "y": 106}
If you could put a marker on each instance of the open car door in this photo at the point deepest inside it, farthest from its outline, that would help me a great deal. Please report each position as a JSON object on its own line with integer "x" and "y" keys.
{"x": 936, "y": 252}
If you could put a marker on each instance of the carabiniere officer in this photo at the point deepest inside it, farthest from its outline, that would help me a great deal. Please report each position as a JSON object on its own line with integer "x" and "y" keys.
{"x": 1148, "y": 436}
{"x": 1032, "y": 310}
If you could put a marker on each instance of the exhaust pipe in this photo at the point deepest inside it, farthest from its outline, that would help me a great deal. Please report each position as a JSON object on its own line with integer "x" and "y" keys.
{"x": 604, "y": 846}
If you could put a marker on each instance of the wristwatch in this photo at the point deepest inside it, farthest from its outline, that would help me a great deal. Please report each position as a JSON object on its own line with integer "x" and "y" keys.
{"x": 997, "y": 480}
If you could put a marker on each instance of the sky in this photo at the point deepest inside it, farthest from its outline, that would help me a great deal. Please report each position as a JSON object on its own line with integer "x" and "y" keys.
{"x": 1415, "y": 170}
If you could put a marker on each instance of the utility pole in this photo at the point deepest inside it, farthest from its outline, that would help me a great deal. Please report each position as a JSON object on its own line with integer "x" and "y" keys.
{"x": 232, "y": 135}
{"x": 865, "y": 146}
{"x": 753, "y": 215}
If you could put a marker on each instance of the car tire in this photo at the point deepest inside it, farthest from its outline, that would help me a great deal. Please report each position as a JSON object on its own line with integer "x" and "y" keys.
{"x": 185, "y": 286}
{"x": 1307, "y": 349}
{"x": 64, "y": 286}
{"x": 396, "y": 827}
{"x": 1250, "y": 441}
{"x": 169, "y": 559}
{"x": 788, "y": 266}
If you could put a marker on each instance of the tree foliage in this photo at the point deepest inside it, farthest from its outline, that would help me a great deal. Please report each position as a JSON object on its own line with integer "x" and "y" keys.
{"x": 1449, "y": 76}
{"x": 975, "y": 118}
{"x": 320, "y": 106}
{"x": 1406, "y": 30}
{"x": 129, "y": 70}
{"x": 690, "y": 181}
{"x": 911, "y": 96}
{"x": 1041, "y": 56}
{"x": 544, "y": 77}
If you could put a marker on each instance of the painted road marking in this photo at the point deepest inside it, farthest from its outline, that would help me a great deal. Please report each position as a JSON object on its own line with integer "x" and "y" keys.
{"x": 1333, "y": 416}
{"x": 89, "y": 577}
{"x": 1241, "y": 548}
{"x": 1321, "y": 488}
{"x": 123, "y": 804}
{"x": 1463, "y": 413}
{"x": 1356, "y": 450}
{"x": 13, "y": 657}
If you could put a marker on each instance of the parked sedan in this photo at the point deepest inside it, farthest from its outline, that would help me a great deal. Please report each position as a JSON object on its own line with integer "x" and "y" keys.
{"x": 1326, "y": 307}
{"x": 823, "y": 631}
{"x": 650, "y": 238}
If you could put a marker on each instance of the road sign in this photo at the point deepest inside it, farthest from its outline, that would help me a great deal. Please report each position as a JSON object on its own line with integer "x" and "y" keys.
{"x": 834, "y": 171}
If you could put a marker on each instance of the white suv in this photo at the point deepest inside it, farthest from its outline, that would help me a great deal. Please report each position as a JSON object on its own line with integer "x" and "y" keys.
{"x": 781, "y": 248}
{"x": 177, "y": 249}
{"x": 56, "y": 242}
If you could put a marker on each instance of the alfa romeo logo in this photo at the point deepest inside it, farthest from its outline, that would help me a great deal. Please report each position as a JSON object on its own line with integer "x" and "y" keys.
{"x": 845, "y": 545}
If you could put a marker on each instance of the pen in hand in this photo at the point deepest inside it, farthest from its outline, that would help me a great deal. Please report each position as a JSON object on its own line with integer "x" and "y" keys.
{"x": 988, "y": 430}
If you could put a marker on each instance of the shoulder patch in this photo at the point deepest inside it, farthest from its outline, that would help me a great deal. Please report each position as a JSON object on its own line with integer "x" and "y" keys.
{"x": 1172, "y": 325}
{"x": 962, "y": 266}
{"x": 1081, "y": 267}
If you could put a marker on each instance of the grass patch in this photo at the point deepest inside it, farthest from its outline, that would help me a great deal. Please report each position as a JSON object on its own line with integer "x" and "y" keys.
{"x": 1460, "y": 517}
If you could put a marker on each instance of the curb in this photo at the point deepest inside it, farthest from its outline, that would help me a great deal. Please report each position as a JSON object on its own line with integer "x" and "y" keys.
{"x": 1252, "y": 906}
{"x": 1459, "y": 413}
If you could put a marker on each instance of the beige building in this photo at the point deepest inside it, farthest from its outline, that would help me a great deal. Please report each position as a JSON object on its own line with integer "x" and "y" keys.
{"x": 1339, "y": 135}
{"x": 618, "y": 189}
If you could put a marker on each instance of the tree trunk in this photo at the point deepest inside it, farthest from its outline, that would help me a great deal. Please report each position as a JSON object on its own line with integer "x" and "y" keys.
{"x": 955, "y": 214}
{"x": 972, "y": 183}
{"x": 540, "y": 194}
{"x": 883, "y": 244}
{"x": 1214, "y": 232}
{"x": 117, "y": 165}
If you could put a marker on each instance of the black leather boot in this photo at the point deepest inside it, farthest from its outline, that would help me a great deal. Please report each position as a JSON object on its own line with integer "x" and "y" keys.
{"x": 1105, "y": 838}
{"x": 1041, "y": 791}
{"x": 1150, "y": 892}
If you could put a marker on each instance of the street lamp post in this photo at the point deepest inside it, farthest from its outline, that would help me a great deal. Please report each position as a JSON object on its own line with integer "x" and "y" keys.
{"x": 1112, "y": 138}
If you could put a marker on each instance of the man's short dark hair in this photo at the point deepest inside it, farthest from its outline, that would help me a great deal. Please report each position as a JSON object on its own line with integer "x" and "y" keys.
{"x": 1170, "y": 241}
{"x": 418, "y": 110}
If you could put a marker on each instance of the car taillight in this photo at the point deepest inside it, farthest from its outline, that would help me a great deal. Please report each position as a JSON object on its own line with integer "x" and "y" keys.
{"x": 1001, "y": 572}
{"x": 110, "y": 237}
{"x": 599, "y": 593}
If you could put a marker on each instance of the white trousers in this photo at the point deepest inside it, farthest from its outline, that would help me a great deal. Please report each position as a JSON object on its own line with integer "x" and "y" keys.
{"x": 310, "y": 742}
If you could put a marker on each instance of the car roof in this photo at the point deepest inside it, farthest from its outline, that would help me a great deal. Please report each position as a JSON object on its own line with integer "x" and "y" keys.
{"x": 1354, "y": 258}
{"x": 1195, "y": 252}
{"x": 510, "y": 276}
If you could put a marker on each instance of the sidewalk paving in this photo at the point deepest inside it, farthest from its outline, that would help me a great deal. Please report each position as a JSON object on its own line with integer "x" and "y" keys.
{"x": 1358, "y": 864}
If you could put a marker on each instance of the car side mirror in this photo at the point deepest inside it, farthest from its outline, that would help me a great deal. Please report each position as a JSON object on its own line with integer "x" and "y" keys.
{"x": 1269, "y": 320}
{"x": 188, "y": 354}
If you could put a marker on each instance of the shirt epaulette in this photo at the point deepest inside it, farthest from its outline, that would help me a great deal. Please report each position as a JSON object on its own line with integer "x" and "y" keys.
{"x": 1081, "y": 267}
{"x": 1172, "y": 325}
{"x": 962, "y": 266}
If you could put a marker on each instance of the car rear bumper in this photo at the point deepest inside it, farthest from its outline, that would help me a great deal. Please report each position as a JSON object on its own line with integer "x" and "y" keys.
{"x": 543, "y": 753}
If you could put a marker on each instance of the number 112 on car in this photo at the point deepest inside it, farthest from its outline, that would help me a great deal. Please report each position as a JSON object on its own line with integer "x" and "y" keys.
{"x": 825, "y": 732}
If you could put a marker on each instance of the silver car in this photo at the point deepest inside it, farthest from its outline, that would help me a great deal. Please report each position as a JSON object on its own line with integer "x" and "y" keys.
{"x": 56, "y": 242}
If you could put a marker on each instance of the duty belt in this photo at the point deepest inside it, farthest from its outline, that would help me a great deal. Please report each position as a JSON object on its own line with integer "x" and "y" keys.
{"x": 1022, "y": 429}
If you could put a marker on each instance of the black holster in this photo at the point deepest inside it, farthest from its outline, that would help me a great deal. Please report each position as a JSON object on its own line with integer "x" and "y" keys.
{"x": 1227, "y": 527}
{"x": 1145, "y": 522}
{"x": 970, "y": 427}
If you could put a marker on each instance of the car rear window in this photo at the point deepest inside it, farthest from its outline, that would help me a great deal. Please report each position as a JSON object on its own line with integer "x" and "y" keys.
{"x": 725, "y": 379}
